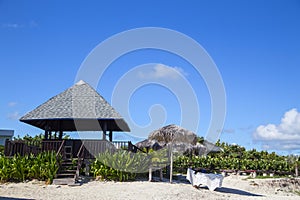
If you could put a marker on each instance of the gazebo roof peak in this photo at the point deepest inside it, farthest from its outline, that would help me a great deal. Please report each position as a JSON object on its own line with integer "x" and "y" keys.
{"x": 81, "y": 82}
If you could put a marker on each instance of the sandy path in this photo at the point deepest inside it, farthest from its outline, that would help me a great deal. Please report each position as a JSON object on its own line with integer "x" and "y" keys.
{"x": 233, "y": 188}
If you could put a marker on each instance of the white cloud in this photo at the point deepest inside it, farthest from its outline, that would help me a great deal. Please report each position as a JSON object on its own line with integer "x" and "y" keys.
{"x": 14, "y": 115}
{"x": 284, "y": 136}
{"x": 162, "y": 71}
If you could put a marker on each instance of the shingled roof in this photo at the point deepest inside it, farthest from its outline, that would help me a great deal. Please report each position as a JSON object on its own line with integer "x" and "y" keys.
{"x": 79, "y": 108}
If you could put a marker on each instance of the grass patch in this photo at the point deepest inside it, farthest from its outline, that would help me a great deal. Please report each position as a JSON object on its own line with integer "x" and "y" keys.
{"x": 297, "y": 192}
{"x": 2, "y": 149}
{"x": 267, "y": 177}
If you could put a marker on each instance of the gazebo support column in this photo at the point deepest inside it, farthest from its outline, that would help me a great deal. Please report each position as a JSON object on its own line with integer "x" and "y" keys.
{"x": 103, "y": 135}
{"x": 46, "y": 134}
{"x": 104, "y": 129}
{"x": 60, "y": 134}
{"x": 110, "y": 136}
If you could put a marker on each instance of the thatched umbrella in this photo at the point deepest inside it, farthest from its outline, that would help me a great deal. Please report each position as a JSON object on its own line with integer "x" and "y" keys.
{"x": 175, "y": 137}
{"x": 173, "y": 134}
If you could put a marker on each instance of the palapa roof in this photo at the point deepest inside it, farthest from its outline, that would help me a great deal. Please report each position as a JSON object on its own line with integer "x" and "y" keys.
{"x": 79, "y": 108}
{"x": 173, "y": 134}
{"x": 182, "y": 138}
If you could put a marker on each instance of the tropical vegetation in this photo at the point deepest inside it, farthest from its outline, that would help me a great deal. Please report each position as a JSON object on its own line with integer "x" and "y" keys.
{"x": 120, "y": 165}
{"x": 235, "y": 157}
{"x": 20, "y": 168}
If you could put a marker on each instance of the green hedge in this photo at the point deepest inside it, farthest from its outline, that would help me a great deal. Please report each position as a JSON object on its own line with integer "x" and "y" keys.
{"x": 210, "y": 163}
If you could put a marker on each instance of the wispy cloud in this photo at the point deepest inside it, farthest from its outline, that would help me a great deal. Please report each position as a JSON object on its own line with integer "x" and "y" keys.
{"x": 30, "y": 24}
{"x": 12, "y": 25}
{"x": 283, "y": 136}
{"x": 249, "y": 128}
{"x": 162, "y": 71}
{"x": 228, "y": 130}
{"x": 14, "y": 115}
{"x": 12, "y": 104}
{"x": 33, "y": 24}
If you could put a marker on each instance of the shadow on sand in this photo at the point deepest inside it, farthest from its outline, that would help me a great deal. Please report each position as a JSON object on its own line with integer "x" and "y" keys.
{"x": 236, "y": 191}
{"x": 12, "y": 198}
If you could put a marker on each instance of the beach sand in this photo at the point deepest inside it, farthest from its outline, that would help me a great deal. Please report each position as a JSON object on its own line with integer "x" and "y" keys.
{"x": 234, "y": 187}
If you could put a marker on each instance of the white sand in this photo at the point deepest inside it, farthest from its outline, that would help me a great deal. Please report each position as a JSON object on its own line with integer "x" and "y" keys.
{"x": 233, "y": 188}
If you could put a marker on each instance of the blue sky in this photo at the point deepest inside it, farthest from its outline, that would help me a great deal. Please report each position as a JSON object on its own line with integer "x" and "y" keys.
{"x": 254, "y": 44}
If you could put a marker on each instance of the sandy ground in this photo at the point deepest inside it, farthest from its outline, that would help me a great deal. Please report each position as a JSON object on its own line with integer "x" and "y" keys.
{"x": 234, "y": 187}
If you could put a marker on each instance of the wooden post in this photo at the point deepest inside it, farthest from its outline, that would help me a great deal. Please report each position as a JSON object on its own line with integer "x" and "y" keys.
{"x": 150, "y": 173}
{"x": 296, "y": 168}
{"x": 171, "y": 164}
{"x": 110, "y": 136}
{"x": 104, "y": 129}
{"x": 160, "y": 174}
{"x": 46, "y": 134}
{"x": 60, "y": 134}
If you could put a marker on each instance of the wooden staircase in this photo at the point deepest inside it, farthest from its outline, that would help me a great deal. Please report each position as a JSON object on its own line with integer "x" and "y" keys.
{"x": 68, "y": 171}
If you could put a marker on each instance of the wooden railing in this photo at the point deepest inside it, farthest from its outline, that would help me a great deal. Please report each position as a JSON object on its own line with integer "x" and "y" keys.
{"x": 51, "y": 145}
{"x": 127, "y": 145}
{"x": 121, "y": 144}
{"x": 89, "y": 150}
{"x": 60, "y": 149}
{"x": 21, "y": 147}
{"x": 92, "y": 148}
{"x": 80, "y": 157}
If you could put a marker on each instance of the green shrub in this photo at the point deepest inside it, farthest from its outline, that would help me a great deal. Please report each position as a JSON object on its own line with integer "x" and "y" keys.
{"x": 119, "y": 166}
{"x": 44, "y": 166}
{"x": 234, "y": 157}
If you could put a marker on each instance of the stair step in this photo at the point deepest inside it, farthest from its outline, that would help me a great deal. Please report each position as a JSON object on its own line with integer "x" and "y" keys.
{"x": 65, "y": 176}
{"x": 64, "y": 168}
{"x": 71, "y": 159}
{"x": 67, "y": 163}
{"x": 64, "y": 181}
{"x": 68, "y": 171}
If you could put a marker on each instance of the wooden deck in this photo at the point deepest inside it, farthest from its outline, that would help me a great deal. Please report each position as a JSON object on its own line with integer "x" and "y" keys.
{"x": 74, "y": 148}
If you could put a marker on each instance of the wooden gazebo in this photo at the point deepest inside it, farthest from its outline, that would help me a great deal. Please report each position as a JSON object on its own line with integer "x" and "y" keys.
{"x": 79, "y": 108}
